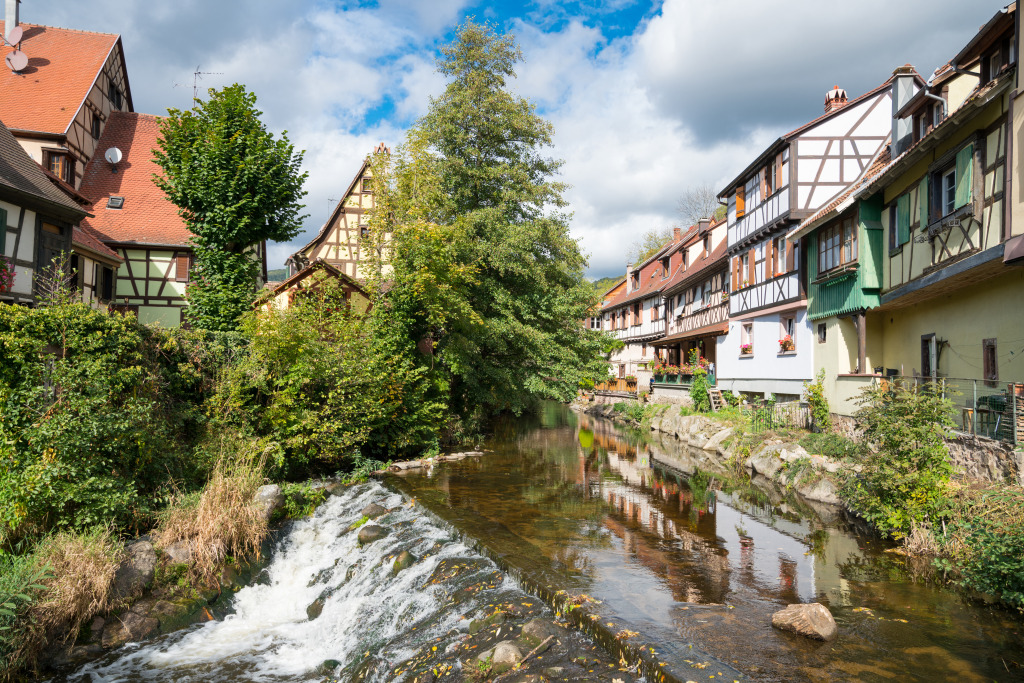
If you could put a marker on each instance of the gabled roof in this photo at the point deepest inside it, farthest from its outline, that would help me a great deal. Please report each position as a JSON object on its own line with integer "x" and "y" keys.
{"x": 1001, "y": 21}
{"x": 340, "y": 207}
{"x": 85, "y": 238}
{"x": 651, "y": 281}
{"x": 63, "y": 64}
{"x": 844, "y": 200}
{"x": 319, "y": 264}
{"x": 22, "y": 179}
{"x": 782, "y": 141}
{"x": 699, "y": 269}
{"x": 147, "y": 216}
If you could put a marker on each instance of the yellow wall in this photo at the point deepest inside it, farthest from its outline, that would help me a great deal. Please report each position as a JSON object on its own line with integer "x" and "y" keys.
{"x": 1017, "y": 172}
{"x": 989, "y": 309}
{"x": 838, "y": 357}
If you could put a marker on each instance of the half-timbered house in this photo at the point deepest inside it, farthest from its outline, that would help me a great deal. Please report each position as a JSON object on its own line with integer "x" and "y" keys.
{"x": 696, "y": 298}
{"x": 36, "y": 219}
{"x": 286, "y": 293}
{"x": 950, "y": 292}
{"x": 768, "y": 348}
{"x": 132, "y": 216}
{"x": 340, "y": 240}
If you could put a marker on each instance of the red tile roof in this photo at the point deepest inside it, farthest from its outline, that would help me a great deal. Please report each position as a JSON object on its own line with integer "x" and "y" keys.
{"x": 22, "y": 178}
{"x": 62, "y": 66}
{"x": 87, "y": 238}
{"x": 147, "y": 216}
{"x": 699, "y": 267}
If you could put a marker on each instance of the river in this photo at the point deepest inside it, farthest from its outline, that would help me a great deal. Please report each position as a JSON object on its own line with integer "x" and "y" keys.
{"x": 693, "y": 565}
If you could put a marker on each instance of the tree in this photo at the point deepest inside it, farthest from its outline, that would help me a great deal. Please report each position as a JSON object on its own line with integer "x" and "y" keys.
{"x": 648, "y": 245}
{"x": 235, "y": 186}
{"x": 482, "y": 273}
{"x": 699, "y": 201}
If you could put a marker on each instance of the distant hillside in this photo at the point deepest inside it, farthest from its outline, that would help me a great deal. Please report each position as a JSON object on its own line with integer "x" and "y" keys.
{"x": 279, "y": 275}
{"x": 604, "y": 284}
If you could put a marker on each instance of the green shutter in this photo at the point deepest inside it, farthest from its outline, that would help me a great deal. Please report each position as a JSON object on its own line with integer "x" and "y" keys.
{"x": 922, "y": 201}
{"x": 3, "y": 231}
{"x": 903, "y": 219}
{"x": 964, "y": 175}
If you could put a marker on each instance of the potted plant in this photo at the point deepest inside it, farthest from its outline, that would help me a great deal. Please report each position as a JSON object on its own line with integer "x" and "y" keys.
{"x": 630, "y": 379}
{"x": 6, "y": 274}
{"x": 746, "y": 349}
{"x": 787, "y": 344}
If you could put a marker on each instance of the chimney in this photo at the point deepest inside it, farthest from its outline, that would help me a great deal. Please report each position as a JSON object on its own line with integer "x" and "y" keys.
{"x": 10, "y": 15}
{"x": 676, "y": 234}
{"x": 835, "y": 99}
{"x": 903, "y": 88}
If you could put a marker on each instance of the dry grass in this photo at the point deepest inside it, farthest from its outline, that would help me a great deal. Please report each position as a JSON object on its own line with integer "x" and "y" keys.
{"x": 223, "y": 521}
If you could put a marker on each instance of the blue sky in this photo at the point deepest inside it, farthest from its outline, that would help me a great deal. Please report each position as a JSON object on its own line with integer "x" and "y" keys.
{"x": 648, "y": 97}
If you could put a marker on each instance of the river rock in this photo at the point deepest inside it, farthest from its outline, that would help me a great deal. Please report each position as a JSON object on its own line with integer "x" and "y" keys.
{"x": 131, "y": 626}
{"x": 315, "y": 609}
{"x": 812, "y": 620}
{"x": 179, "y": 552}
{"x": 373, "y": 511}
{"x": 503, "y": 656}
{"x": 536, "y": 631}
{"x": 136, "y": 571}
{"x": 328, "y": 667}
{"x": 270, "y": 499}
{"x": 370, "y": 533}
{"x": 335, "y": 488}
{"x": 715, "y": 442}
{"x": 822, "y": 491}
{"x": 404, "y": 560}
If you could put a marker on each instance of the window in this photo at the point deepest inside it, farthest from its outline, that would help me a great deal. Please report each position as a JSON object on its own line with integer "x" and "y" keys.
{"x": 745, "y": 269}
{"x": 787, "y": 333}
{"x": 114, "y": 202}
{"x": 769, "y": 179}
{"x": 367, "y": 183}
{"x": 104, "y": 285}
{"x": 666, "y": 268}
{"x": 899, "y": 222}
{"x": 747, "y": 339}
{"x": 364, "y": 231}
{"x": 684, "y": 252}
{"x": 990, "y": 360}
{"x": 643, "y": 349}
{"x": 705, "y": 296}
{"x": 947, "y": 191}
{"x": 936, "y": 114}
{"x": 114, "y": 95}
{"x": 635, "y": 280}
{"x": 740, "y": 201}
{"x": 837, "y": 246}
{"x": 61, "y": 165}
{"x": 95, "y": 126}
{"x": 707, "y": 245}
{"x": 779, "y": 255}
{"x": 822, "y": 333}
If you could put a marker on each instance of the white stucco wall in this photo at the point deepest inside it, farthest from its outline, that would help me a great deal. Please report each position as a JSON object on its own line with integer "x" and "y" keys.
{"x": 766, "y": 371}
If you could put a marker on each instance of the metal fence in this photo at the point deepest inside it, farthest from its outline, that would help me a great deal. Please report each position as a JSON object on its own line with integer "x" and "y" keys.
{"x": 795, "y": 415}
{"x": 988, "y": 408}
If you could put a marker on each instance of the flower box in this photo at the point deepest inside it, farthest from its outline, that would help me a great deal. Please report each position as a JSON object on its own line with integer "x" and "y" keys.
{"x": 747, "y": 349}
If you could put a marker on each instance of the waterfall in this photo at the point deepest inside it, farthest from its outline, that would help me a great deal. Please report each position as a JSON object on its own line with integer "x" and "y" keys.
{"x": 369, "y": 614}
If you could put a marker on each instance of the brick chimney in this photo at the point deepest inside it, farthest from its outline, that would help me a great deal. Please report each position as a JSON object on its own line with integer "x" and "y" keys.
{"x": 835, "y": 99}
{"x": 676, "y": 234}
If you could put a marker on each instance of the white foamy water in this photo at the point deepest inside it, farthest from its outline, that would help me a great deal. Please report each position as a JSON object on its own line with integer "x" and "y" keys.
{"x": 269, "y": 637}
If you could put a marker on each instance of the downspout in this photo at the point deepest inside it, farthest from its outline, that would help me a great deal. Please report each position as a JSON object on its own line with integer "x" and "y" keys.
{"x": 945, "y": 105}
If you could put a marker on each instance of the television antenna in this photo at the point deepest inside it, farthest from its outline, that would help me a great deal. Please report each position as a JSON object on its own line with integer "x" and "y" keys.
{"x": 197, "y": 76}
{"x": 16, "y": 60}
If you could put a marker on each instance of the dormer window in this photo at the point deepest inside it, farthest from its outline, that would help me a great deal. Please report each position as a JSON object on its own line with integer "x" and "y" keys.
{"x": 61, "y": 165}
{"x": 936, "y": 114}
{"x": 707, "y": 245}
{"x": 635, "y": 280}
{"x": 666, "y": 266}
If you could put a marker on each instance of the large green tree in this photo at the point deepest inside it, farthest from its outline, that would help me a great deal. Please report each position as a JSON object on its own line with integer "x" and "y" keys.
{"x": 481, "y": 270}
{"x": 236, "y": 186}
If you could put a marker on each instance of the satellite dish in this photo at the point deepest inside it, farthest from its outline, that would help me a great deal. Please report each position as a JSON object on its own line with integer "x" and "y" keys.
{"x": 113, "y": 155}
{"x": 16, "y": 60}
{"x": 14, "y": 37}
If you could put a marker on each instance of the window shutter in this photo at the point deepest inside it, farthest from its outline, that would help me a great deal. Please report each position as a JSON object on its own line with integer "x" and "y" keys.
{"x": 778, "y": 171}
{"x": 3, "y": 233}
{"x": 964, "y": 175}
{"x": 903, "y": 219}
{"x": 181, "y": 268}
{"x": 736, "y": 273}
{"x": 741, "y": 206}
{"x": 790, "y": 256}
{"x": 764, "y": 183}
{"x": 769, "y": 264}
{"x": 752, "y": 263}
{"x": 922, "y": 202}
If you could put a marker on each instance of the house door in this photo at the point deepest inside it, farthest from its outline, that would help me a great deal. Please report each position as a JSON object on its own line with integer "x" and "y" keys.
{"x": 928, "y": 356}
{"x": 622, "y": 372}
{"x": 51, "y": 243}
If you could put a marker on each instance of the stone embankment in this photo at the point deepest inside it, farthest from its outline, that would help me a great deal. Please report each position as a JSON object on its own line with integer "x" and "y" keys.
{"x": 786, "y": 464}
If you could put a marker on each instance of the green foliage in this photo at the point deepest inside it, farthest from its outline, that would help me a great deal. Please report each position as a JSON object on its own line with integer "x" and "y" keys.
{"x": 830, "y": 445}
{"x": 20, "y": 586}
{"x": 648, "y": 244}
{"x": 731, "y": 398}
{"x": 904, "y": 474}
{"x": 481, "y": 268}
{"x": 814, "y": 394}
{"x": 301, "y": 500}
{"x": 699, "y": 386}
{"x": 96, "y": 415}
{"x": 602, "y": 285}
{"x": 235, "y": 186}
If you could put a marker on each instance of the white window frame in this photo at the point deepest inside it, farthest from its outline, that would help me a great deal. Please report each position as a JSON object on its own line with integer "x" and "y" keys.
{"x": 947, "y": 190}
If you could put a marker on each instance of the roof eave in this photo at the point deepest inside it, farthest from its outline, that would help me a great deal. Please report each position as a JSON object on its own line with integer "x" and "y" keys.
{"x": 72, "y": 214}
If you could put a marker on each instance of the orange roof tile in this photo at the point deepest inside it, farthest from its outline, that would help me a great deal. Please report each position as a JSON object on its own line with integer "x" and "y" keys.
{"x": 87, "y": 238}
{"x": 62, "y": 66}
{"x": 147, "y": 216}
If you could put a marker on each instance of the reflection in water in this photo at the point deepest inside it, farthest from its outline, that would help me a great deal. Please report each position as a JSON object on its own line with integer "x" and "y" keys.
{"x": 641, "y": 524}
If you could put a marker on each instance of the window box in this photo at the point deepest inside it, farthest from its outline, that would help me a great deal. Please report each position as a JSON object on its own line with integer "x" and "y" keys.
{"x": 746, "y": 349}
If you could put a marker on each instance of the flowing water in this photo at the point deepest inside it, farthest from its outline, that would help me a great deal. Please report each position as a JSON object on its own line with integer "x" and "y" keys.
{"x": 690, "y": 564}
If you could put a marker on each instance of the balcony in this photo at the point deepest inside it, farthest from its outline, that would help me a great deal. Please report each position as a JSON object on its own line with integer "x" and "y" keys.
{"x": 698, "y": 318}
{"x": 764, "y": 214}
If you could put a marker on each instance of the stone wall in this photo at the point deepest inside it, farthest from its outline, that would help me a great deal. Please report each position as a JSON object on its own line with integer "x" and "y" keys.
{"x": 987, "y": 459}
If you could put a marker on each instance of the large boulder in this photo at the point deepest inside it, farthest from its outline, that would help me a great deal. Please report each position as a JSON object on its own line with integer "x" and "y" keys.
{"x": 371, "y": 533}
{"x": 502, "y": 656}
{"x": 404, "y": 560}
{"x": 179, "y": 552}
{"x": 136, "y": 571}
{"x": 536, "y": 631}
{"x": 270, "y": 499}
{"x": 811, "y": 620}
{"x": 373, "y": 511}
{"x": 129, "y": 627}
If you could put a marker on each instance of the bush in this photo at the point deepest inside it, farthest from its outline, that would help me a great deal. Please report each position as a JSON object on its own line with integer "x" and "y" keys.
{"x": 20, "y": 586}
{"x": 699, "y": 387}
{"x": 830, "y": 445}
{"x": 905, "y": 472}
{"x": 814, "y": 394}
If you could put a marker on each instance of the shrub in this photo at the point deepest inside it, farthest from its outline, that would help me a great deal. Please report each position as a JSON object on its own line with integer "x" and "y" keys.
{"x": 301, "y": 500}
{"x": 830, "y": 445}
{"x": 814, "y": 394}
{"x": 223, "y": 520}
{"x": 699, "y": 387}
{"x": 906, "y": 469}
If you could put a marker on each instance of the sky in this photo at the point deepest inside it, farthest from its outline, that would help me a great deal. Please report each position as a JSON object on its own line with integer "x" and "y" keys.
{"x": 648, "y": 97}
